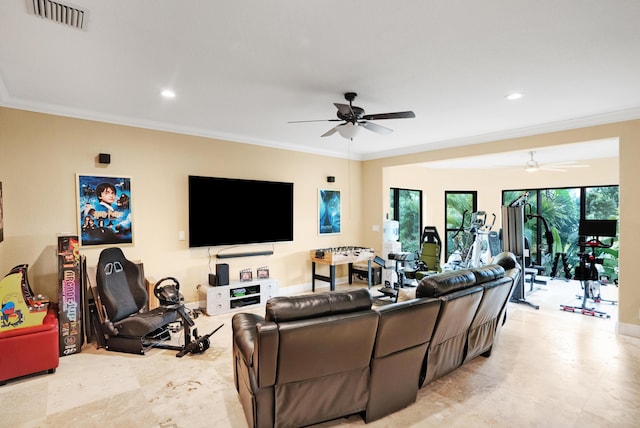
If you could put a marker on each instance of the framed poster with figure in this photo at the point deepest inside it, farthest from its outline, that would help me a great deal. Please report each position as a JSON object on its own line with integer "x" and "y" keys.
{"x": 104, "y": 210}
{"x": 329, "y": 212}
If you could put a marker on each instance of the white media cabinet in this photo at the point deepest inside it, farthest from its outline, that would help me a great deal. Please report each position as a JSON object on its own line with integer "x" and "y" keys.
{"x": 237, "y": 295}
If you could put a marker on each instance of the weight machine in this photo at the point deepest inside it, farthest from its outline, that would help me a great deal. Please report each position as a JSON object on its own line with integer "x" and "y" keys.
{"x": 513, "y": 240}
{"x": 529, "y": 268}
{"x": 586, "y": 272}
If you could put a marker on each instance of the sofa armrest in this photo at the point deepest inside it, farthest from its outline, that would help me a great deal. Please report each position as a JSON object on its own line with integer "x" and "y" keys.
{"x": 256, "y": 342}
{"x": 510, "y": 265}
{"x": 507, "y": 260}
{"x": 266, "y": 353}
{"x": 245, "y": 330}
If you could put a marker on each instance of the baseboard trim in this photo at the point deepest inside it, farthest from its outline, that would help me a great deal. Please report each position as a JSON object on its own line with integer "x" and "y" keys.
{"x": 632, "y": 330}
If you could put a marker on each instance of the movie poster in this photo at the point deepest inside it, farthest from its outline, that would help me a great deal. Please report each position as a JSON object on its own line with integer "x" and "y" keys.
{"x": 104, "y": 210}
{"x": 329, "y": 207}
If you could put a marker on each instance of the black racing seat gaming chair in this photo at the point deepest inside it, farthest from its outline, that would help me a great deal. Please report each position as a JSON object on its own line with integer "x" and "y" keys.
{"x": 127, "y": 326}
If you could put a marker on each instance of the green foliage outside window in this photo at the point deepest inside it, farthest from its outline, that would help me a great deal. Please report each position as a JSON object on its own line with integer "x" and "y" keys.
{"x": 456, "y": 204}
{"x": 406, "y": 207}
{"x": 562, "y": 208}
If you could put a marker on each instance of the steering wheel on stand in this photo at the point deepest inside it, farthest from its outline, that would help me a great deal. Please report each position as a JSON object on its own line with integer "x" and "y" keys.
{"x": 167, "y": 290}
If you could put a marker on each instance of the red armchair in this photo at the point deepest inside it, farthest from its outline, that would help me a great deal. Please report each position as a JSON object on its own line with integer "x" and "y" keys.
{"x": 30, "y": 350}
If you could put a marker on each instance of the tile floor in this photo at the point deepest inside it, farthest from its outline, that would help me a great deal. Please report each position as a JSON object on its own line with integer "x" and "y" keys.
{"x": 550, "y": 369}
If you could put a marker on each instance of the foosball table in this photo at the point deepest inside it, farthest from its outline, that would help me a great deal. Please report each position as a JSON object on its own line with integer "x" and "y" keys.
{"x": 339, "y": 256}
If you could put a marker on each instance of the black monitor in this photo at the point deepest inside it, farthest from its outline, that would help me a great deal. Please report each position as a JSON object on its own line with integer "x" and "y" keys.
{"x": 600, "y": 228}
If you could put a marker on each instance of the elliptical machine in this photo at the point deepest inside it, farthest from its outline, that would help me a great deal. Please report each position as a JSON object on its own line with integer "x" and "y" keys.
{"x": 477, "y": 252}
{"x": 586, "y": 272}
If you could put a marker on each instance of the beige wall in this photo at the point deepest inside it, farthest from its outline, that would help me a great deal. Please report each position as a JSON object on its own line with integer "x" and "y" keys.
{"x": 41, "y": 154}
{"x": 381, "y": 172}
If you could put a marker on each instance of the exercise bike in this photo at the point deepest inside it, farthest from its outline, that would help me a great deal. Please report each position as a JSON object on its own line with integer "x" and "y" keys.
{"x": 587, "y": 272}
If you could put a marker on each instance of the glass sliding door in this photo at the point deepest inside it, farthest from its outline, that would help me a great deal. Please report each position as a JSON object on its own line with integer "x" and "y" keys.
{"x": 601, "y": 203}
{"x": 458, "y": 204}
{"x": 406, "y": 208}
{"x": 560, "y": 211}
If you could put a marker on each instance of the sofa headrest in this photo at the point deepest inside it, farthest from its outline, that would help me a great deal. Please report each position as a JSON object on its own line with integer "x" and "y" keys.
{"x": 507, "y": 260}
{"x": 290, "y": 308}
{"x": 444, "y": 283}
{"x": 488, "y": 273}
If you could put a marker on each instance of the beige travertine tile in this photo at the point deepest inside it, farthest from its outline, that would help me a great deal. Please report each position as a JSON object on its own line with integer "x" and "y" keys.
{"x": 550, "y": 368}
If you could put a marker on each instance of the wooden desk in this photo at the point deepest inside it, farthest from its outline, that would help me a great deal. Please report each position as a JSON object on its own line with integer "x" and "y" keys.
{"x": 339, "y": 256}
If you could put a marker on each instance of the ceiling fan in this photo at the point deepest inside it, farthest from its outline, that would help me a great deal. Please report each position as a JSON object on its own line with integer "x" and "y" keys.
{"x": 533, "y": 166}
{"x": 353, "y": 119}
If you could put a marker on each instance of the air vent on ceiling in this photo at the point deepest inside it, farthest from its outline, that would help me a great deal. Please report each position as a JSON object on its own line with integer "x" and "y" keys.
{"x": 59, "y": 12}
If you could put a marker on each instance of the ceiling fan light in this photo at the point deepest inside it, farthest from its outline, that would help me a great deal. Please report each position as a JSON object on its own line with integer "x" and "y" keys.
{"x": 348, "y": 130}
{"x": 514, "y": 96}
{"x": 532, "y": 165}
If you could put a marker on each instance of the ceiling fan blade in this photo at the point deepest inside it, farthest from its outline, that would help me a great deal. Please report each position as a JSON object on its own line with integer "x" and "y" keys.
{"x": 547, "y": 168}
{"x": 345, "y": 109}
{"x": 353, "y": 117}
{"x": 562, "y": 163}
{"x": 561, "y": 166}
{"x": 318, "y": 120}
{"x": 567, "y": 165}
{"x": 330, "y": 132}
{"x": 396, "y": 115}
{"x": 378, "y": 129}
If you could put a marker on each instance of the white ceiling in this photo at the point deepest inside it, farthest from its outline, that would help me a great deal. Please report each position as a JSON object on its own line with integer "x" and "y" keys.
{"x": 243, "y": 69}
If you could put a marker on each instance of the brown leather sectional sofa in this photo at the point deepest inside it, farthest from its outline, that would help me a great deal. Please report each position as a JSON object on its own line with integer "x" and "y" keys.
{"x": 317, "y": 357}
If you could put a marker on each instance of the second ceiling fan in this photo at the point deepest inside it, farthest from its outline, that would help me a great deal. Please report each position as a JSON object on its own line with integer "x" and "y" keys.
{"x": 532, "y": 165}
{"x": 353, "y": 119}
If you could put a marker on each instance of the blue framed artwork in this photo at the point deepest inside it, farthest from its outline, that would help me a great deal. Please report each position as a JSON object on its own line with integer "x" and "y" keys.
{"x": 329, "y": 212}
{"x": 104, "y": 210}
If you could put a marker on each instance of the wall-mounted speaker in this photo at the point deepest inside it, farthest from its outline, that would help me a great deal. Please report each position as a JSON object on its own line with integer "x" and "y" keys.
{"x": 331, "y": 179}
{"x": 104, "y": 158}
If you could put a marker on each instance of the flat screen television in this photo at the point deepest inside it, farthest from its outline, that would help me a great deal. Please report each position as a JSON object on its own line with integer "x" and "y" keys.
{"x": 229, "y": 211}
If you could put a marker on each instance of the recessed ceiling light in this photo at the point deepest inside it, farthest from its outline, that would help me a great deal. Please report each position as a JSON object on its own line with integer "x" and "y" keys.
{"x": 514, "y": 96}
{"x": 168, "y": 93}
